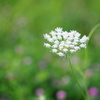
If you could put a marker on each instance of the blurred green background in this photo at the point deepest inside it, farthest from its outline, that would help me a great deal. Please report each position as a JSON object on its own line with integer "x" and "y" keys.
{"x": 26, "y": 66}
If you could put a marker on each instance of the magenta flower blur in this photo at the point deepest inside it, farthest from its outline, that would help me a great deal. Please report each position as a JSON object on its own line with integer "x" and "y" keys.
{"x": 61, "y": 95}
{"x": 93, "y": 92}
{"x": 39, "y": 91}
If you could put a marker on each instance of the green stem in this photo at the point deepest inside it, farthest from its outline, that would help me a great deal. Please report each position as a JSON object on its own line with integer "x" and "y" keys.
{"x": 92, "y": 31}
{"x": 76, "y": 78}
{"x": 86, "y": 55}
{"x": 90, "y": 35}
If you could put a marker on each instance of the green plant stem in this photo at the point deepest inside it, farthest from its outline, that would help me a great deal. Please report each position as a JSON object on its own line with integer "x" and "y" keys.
{"x": 76, "y": 78}
{"x": 86, "y": 55}
{"x": 92, "y": 31}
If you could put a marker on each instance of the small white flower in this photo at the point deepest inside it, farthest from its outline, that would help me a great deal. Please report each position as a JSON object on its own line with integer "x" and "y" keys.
{"x": 65, "y": 35}
{"x": 56, "y": 42}
{"x": 63, "y": 42}
{"x": 54, "y": 37}
{"x": 54, "y": 46}
{"x": 76, "y": 48}
{"x": 70, "y": 38}
{"x": 53, "y": 33}
{"x": 50, "y": 39}
{"x": 54, "y": 50}
{"x": 59, "y": 37}
{"x": 58, "y": 29}
{"x": 46, "y": 36}
{"x": 72, "y": 51}
{"x": 68, "y": 42}
{"x": 60, "y": 54}
{"x": 71, "y": 46}
{"x": 76, "y": 40}
{"x": 67, "y": 46}
{"x": 47, "y": 45}
{"x": 77, "y": 34}
{"x": 65, "y": 50}
{"x": 74, "y": 43}
{"x": 84, "y": 39}
{"x": 60, "y": 47}
{"x": 83, "y": 45}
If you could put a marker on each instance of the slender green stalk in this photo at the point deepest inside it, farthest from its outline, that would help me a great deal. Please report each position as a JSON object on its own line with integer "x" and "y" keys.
{"x": 90, "y": 35}
{"x": 86, "y": 55}
{"x": 92, "y": 31}
{"x": 76, "y": 78}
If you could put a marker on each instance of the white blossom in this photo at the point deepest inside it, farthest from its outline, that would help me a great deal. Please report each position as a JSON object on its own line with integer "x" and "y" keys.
{"x": 72, "y": 51}
{"x": 54, "y": 37}
{"x": 54, "y": 50}
{"x": 83, "y": 45}
{"x": 60, "y": 54}
{"x": 65, "y": 50}
{"x": 50, "y": 39}
{"x": 46, "y": 36}
{"x": 53, "y": 33}
{"x": 84, "y": 39}
{"x": 59, "y": 37}
{"x": 71, "y": 46}
{"x": 47, "y": 45}
{"x": 58, "y": 29}
{"x": 54, "y": 46}
{"x": 63, "y": 42}
{"x": 76, "y": 48}
{"x": 56, "y": 42}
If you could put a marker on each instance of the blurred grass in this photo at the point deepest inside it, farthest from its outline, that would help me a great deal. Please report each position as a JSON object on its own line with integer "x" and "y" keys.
{"x": 25, "y": 64}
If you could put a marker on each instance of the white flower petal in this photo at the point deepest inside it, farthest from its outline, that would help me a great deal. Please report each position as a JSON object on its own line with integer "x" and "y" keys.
{"x": 47, "y": 45}
{"x": 84, "y": 39}
{"x": 76, "y": 48}
{"x": 58, "y": 29}
{"x": 54, "y": 50}
{"x": 83, "y": 45}
{"x": 46, "y": 36}
{"x": 60, "y": 54}
{"x": 50, "y": 40}
{"x": 54, "y": 46}
{"x": 65, "y": 50}
{"x": 72, "y": 51}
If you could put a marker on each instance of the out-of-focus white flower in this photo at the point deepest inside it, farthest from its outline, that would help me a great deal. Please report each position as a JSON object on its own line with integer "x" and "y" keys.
{"x": 83, "y": 45}
{"x": 47, "y": 45}
{"x": 84, "y": 39}
{"x": 77, "y": 48}
{"x": 42, "y": 97}
{"x": 62, "y": 42}
{"x": 58, "y": 29}
{"x": 46, "y": 36}
{"x": 65, "y": 50}
{"x": 72, "y": 50}
{"x": 60, "y": 54}
{"x": 54, "y": 50}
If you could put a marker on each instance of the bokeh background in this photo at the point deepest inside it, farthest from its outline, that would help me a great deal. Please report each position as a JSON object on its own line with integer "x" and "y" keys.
{"x": 28, "y": 71}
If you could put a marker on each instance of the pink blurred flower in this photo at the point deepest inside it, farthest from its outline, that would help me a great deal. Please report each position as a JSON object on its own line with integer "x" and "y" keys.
{"x": 61, "y": 94}
{"x": 93, "y": 92}
{"x": 39, "y": 91}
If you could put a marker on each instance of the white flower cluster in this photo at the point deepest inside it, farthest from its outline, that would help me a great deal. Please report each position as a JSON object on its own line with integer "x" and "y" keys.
{"x": 62, "y": 42}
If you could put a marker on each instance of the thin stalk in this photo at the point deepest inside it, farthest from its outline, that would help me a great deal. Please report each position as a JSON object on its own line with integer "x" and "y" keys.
{"x": 92, "y": 31}
{"x": 76, "y": 78}
{"x": 86, "y": 54}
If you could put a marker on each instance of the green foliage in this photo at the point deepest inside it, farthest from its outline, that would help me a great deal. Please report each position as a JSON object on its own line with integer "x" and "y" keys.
{"x": 26, "y": 65}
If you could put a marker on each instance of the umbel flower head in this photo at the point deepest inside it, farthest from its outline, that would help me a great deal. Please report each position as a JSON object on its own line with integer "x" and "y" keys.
{"x": 63, "y": 42}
